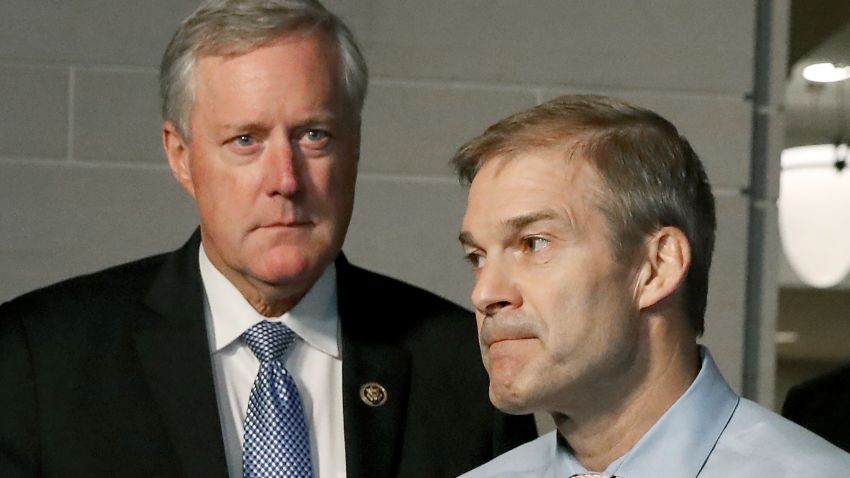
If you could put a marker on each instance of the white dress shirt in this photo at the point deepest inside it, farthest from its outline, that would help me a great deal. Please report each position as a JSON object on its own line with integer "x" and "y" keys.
{"x": 314, "y": 361}
{"x": 710, "y": 432}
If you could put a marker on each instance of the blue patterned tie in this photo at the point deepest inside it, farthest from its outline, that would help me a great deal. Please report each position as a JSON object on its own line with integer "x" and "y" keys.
{"x": 277, "y": 443}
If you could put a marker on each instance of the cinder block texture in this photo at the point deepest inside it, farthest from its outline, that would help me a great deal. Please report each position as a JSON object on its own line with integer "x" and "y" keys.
{"x": 89, "y": 31}
{"x": 718, "y": 128}
{"x": 666, "y": 44}
{"x": 61, "y": 221}
{"x": 415, "y": 129}
{"x": 116, "y": 117}
{"x": 408, "y": 229}
{"x": 724, "y": 321}
{"x": 33, "y": 111}
{"x": 442, "y": 69}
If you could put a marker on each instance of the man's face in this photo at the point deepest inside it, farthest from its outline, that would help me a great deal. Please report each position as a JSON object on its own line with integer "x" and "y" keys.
{"x": 271, "y": 163}
{"x": 557, "y": 316}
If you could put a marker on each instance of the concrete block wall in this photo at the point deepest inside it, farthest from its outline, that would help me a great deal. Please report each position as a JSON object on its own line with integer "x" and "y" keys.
{"x": 84, "y": 184}
{"x": 445, "y": 70}
{"x": 83, "y": 180}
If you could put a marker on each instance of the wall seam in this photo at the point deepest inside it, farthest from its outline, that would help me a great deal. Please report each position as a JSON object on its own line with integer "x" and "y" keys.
{"x": 72, "y": 80}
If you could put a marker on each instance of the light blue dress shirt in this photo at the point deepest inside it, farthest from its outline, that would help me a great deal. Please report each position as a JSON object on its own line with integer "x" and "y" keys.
{"x": 709, "y": 432}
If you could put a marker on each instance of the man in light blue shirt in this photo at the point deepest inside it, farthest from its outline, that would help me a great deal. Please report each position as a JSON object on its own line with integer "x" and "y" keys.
{"x": 590, "y": 228}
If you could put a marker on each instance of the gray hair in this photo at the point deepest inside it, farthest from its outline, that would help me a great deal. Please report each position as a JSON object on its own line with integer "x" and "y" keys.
{"x": 222, "y": 27}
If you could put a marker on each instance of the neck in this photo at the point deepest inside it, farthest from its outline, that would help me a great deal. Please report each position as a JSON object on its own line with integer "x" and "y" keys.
{"x": 268, "y": 305}
{"x": 270, "y": 300}
{"x": 607, "y": 428}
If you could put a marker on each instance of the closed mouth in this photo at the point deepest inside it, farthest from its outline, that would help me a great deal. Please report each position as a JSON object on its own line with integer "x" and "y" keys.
{"x": 284, "y": 224}
{"x": 507, "y": 339}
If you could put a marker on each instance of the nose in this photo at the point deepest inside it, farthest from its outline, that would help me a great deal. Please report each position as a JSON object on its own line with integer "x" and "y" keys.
{"x": 495, "y": 288}
{"x": 282, "y": 170}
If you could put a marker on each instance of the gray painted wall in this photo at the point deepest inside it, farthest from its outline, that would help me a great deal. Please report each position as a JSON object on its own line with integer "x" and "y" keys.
{"x": 84, "y": 184}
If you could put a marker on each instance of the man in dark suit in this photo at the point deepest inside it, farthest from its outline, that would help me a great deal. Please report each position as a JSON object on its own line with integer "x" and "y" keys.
{"x": 821, "y": 405}
{"x": 145, "y": 369}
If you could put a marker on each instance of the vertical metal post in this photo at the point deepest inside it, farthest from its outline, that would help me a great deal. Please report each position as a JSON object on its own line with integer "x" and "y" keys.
{"x": 762, "y": 284}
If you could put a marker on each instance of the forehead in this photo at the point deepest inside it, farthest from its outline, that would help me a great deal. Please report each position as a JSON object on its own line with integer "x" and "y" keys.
{"x": 297, "y": 61}
{"x": 532, "y": 181}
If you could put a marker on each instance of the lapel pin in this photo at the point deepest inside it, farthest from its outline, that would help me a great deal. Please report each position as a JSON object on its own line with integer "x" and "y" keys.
{"x": 373, "y": 394}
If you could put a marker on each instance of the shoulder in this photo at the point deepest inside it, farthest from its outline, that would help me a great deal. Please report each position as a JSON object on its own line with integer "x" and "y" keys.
{"x": 91, "y": 295}
{"x": 446, "y": 379}
{"x": 821, "y": 406}
{"x": 833, "y": 387}
{"x": 528, "y": 460}
{"x": 374, "y": 308}
{"x": 771, "y": 445}
{"x": 374, "y": 300}
{"x": 123, "y": 279}
{"x": 370, "y": 284}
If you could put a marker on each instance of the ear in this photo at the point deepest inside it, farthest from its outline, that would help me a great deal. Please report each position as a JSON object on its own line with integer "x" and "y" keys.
{"x": 178, "y": 156}
{"x": 665, "y": 266}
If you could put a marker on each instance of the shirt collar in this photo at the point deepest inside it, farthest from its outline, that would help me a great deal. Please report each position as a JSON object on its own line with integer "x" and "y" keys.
{"x": 679, "y": 444}
{"x": 314, "y": 319}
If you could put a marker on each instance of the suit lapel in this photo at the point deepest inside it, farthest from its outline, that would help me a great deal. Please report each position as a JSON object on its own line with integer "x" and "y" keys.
{"x": 373, "y": 430}
{"x": 174, "y": 353}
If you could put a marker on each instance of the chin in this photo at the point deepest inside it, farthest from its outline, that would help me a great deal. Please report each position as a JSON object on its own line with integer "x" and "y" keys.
{"x": 510, "y": 394}
{"x": 508, "y": 401}
{"x": 288, "y": 265}
{"x": 507, "y": 380}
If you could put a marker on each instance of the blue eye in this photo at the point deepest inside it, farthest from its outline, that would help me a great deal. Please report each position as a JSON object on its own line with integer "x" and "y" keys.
{"x": 244, "y": 140}
{"x": 316, "y": 135}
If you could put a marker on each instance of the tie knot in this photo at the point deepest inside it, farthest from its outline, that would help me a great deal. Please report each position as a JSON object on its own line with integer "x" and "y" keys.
{"x": 269, "y": 340}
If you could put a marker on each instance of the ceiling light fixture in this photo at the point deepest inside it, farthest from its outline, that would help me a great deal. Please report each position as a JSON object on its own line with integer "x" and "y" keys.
{"x": 826, "y": 72}
{"x": 814, "y": 212}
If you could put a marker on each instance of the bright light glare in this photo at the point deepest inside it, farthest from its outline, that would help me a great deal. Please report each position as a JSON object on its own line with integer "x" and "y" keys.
{"x": 826, "y": 73}
{"x": 812, "y": 155}
{"x": 814, "y": 223}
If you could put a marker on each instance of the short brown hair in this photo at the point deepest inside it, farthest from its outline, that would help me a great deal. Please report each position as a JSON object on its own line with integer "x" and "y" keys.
{"x": 654, "y": 177}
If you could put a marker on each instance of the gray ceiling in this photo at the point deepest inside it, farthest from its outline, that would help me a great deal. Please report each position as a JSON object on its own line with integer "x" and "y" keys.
{"x": 820, "y": 31}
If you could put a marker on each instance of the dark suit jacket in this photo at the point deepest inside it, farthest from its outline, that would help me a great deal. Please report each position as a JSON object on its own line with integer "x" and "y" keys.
{"x": 823, "y": 406}
{"x": 109, "y": 374}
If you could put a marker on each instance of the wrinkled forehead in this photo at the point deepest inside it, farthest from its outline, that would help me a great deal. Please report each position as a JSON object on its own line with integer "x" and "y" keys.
{"x": 503, "y": 147}
{"x": 529, "y": 181}
{"x": 527, "y": 167}
{"x": 306, "y": 64}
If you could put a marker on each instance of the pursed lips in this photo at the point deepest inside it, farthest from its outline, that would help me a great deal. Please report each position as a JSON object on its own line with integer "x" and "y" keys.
{"x": 506, "y": 340}
{"x": 494, "y": 331}
{"x": 284, "y": 223}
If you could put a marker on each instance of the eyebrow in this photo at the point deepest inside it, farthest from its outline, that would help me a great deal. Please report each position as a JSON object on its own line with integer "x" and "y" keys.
{"x": 512, "y": 225}
{"x": 466, "y": 238}
{"x": 316, "y": 119}
{"x": 519, "y": 222}
{"x": 249, "y": 126}
{"x": 323, "y": 118}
